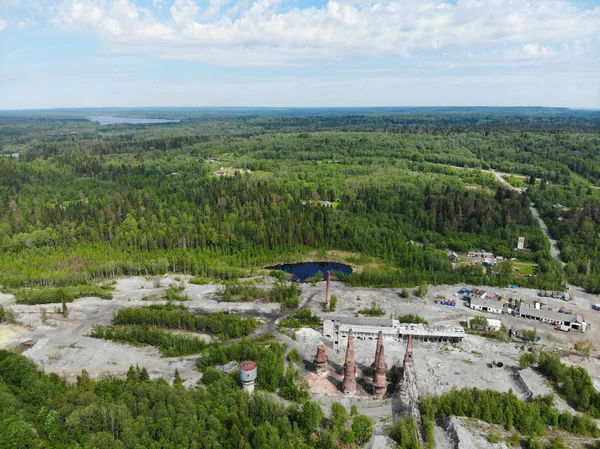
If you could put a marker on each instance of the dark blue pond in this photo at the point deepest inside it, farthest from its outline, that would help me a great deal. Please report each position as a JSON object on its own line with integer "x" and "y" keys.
{"x": 302, "y": 271}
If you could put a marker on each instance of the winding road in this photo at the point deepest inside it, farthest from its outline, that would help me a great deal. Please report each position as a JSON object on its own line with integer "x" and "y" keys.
{"x": 553, "y": 243}
{"x": 554, "y": 250}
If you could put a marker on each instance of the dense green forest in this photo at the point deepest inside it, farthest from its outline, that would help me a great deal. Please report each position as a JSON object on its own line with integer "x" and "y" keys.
{"x": 44, "y": 411}
{"x": 84, "y": 202}
{"x": 529, "y": 418}
{"x": 572, "y": 382}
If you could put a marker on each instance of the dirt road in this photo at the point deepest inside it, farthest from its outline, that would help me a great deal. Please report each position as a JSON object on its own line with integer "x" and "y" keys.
{"x": 553, "y": 243}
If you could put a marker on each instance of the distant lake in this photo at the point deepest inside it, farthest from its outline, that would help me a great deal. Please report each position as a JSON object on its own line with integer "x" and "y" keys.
{"x": 110, "y": 120}
{"x": 302, "y": 271}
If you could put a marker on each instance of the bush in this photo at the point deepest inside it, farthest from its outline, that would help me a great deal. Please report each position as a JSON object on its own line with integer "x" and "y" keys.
{"x": 527, "y": 359}
{"x": 404, "y": 432}
{"x": 339, "y": 415}
{"x": 174, "y": 293}
{"x": 279, "y": 275}
{"x": 494, "y": 437}
{"x": 557, "y": 443}
{"x": 410, "y": 318}
{"x": 334, "y": 300}
{"x": 211, "y": 375}
{"x": 294, "y": 387}
{"x": 373, "y": 311}
{"x": 199, "y": 280}
{"x": 362, "y": 427}
{"x": 405, "y": 293}
{"x": 478, "y": 322}
{"x": 533, "y": 443}
{"x": 284, "y": 293}
{"x": 6, "y": 315}
{"x": 295, "y": 357}
{"x": 302, "y": 318}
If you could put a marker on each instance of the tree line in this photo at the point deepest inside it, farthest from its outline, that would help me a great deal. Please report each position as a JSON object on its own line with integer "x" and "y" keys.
{"x": 44, "y": 411}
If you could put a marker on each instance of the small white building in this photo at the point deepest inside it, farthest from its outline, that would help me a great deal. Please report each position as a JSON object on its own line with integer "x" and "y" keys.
{"x": 486, "y": 305}
{"x": 490, "y": 261}
{"x": 492, "y": 324}
{"x": 477, "y": 293}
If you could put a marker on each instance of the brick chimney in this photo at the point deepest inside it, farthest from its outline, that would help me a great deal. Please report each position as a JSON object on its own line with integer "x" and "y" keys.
{"x": 328, "y": 292}
{"x": 349, "y": 384}
{"x": 379, "y": 345}
{"x": 380, "y": 379}
{"x": 321, "y": 360}
{"x": 408, "y": 357}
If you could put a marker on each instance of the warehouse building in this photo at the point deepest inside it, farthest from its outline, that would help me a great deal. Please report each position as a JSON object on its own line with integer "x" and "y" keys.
{"x": 553, "y": 317}
{"x": 486, "y": 305}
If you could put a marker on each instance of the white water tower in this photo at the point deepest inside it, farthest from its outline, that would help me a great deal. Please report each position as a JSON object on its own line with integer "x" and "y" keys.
{"x": 248, "y": 373}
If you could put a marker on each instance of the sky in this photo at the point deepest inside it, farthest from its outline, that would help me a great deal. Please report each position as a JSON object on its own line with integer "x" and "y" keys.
{"x": 303, "y": 53}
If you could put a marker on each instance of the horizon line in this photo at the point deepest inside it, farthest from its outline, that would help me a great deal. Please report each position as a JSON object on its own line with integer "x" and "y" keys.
{"x": 71, "y": 108}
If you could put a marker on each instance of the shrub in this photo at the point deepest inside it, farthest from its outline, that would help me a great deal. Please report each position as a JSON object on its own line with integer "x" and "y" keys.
{"x": 295, "y": 357}
{"x": 373, "y": 311}
{"x": 527, "y": 359}
{"x": 211, "y": 375}
{"x": 411, "y": 318}
{"x": 302, "y": 318}
{"x": 334, "y": 301}
{"x": 404, "y": 432}
{"x": 362, "y": 427}
{"x": 6, "y": 315}
{"x": 199, "y": 280}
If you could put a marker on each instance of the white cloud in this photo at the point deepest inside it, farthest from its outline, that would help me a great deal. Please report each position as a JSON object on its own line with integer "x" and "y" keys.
{"x": 3, "y": 24}
{"x": 184, "y": 11}
{"x": 26, "y": 23}
{"x": 262, "y": 32}
{"x": 534, "y": 51}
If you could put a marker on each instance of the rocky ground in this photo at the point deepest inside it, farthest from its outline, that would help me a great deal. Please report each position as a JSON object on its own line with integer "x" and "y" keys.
{"x": 62, "y": 345}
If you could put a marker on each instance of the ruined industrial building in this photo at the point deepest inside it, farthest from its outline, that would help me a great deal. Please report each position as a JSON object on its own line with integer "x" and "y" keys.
{"x": 368, "y": 329}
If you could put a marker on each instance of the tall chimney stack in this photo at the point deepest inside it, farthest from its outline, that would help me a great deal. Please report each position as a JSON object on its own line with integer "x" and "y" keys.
{"x": 408, "y": 357}
{"x": 349, "y": 384}
{"x": 321, "y": 360}
{"x": 380, "y": 379}
{"x": 328, "y": 292}
{"x": 379, "y": 345}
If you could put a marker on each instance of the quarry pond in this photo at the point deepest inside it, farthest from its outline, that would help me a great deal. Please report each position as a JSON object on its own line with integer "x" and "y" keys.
{"x": 304, "y": 270}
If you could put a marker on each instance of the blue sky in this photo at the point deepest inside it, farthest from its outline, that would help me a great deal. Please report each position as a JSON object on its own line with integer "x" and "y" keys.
{"x": 104, "y": 53}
